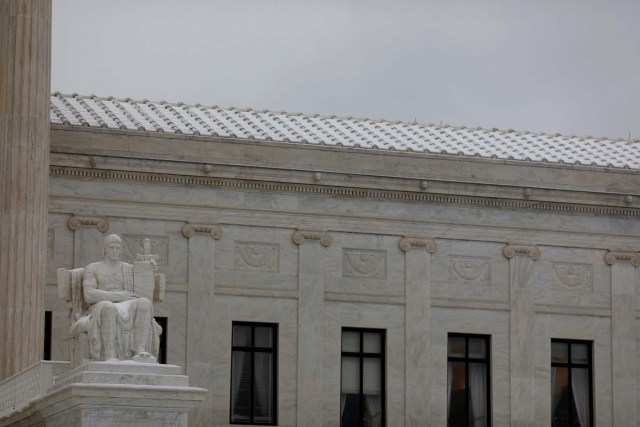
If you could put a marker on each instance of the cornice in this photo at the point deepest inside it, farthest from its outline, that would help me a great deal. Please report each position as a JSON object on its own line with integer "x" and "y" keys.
{"x": 330, "y": 190}
{"x": 408, "y": 243}
{"x": 301, "y": 236}
{"x": 622, "y": 255}
{"x": 511, "y": 251}
{"x": 75, "y": 222}
{"x": 189, "y": 230}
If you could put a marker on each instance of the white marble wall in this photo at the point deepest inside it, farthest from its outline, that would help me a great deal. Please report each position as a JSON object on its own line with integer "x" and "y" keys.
{"x": 363, "y": 279}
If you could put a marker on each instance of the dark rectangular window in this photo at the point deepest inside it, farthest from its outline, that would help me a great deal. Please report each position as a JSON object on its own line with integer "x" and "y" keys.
{"x": 468, "y": 380}
{"x": 47, "y": 334}
{"x": 571, "y": 383}
{"x": 362, "y": 379}
{"x": 162, "y": 353}
{"x": 254, "y": 373}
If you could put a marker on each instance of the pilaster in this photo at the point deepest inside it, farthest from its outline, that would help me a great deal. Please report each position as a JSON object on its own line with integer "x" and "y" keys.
{"x": 418, "y": 329}
{"x": 521, "y": 333}
{"x": 311, "y": 271}
{"x": 87, "y": 238}
{"x": 25, "y": 63}
{"x": 200, "y": 330}
{"x": 623, "y": 334}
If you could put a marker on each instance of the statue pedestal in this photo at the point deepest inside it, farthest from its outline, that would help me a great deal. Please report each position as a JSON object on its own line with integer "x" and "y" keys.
{"x": 113, "y": 394}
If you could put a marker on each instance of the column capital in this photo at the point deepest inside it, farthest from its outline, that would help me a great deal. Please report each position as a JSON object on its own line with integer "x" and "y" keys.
{"x": 622, "y": 255}
{"x": 301, "y": 236}
{"x": 189, "y": 230}
{"x": 512, "y": 250}
{"x": 408, "y": 243}
{"x": 76, "y": 222}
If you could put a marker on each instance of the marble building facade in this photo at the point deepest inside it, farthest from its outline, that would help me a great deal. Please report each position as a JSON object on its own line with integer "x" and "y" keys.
{"x": 316, "y": 238}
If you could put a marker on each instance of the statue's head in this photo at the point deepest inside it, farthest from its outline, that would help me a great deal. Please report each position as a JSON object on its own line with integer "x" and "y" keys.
{"x": 112, "y": 247}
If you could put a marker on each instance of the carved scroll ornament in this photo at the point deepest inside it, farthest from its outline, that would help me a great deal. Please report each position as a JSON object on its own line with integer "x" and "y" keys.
{"x": 510, "y": 251}
{"x": 408, "y": 243}
{"x": 76, "y": 222}
{"x": 622, "y": 255}
{"x": 189, "y": 230}
{"x": 301, "y": 236}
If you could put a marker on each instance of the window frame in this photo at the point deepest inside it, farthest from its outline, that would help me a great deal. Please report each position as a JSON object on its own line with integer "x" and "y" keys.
{"x": 467, "y": 360}
{"x": 361, "y": 356}
{"x": 252, "y": 350}
{"x": 570, "y": 365}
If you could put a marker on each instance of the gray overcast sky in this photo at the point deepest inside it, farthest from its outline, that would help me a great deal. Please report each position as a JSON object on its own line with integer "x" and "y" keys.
{"x": 555, "y": 66}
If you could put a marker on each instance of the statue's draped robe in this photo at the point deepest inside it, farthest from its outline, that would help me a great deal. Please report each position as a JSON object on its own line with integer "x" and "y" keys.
{"x": 124, "y": 333}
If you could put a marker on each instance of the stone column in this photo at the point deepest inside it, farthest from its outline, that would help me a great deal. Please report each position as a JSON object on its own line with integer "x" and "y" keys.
{"x": 25, "y": 62}
{"x": 418, "y": 330}
{"x": 623, "y": 335}
{"x": 311, "y": 271}
{"x": 200, "y": 327}
{"x": 521, "y": 333}
{"x": 88, "y": 239}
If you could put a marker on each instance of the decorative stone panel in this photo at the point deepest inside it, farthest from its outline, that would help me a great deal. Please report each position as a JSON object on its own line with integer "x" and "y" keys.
{"x": 469, "y": 269}
{"x": 252, "y": 256}
{"x": 572, "y": 275}
{"x": 366, "y": 264}
{"x": 134, "y": 244}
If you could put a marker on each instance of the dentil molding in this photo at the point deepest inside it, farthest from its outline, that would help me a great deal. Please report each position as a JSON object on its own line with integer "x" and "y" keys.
{"x": 301, "y": 236}
{"x": 76, "y": 222}
{"x": 189, "y": 230}
{"x": 622, "y": 255}
{"x": 531, "y": 251}
{"x": 408, "y": 243}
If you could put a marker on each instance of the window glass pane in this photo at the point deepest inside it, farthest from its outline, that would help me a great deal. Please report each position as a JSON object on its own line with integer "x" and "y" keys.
{"x": 263, "y": 388}
{"x": 457, "y": 401}
{"x": 351, "y": 341}
{"x": 560, "y": 397}
{"x": 372, "y": 341}
{"x": 242, "y": 336}
{"x": 263, "y": 336}
{"x": 371, "y": 376}
{"x": 241, "y": 387}
{"x": 478, "y": 394}
{"x": 350, "y": 375}
{"x": 456, "y": 346}
{"x": 559, "y": 352}
{"x": 580, "y": 388}
{"x": 477, "y": 348}
{"x": 579, "y": 353}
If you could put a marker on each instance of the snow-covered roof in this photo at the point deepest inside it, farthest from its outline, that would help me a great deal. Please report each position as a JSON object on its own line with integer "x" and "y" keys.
{"x": 301, "y": 128}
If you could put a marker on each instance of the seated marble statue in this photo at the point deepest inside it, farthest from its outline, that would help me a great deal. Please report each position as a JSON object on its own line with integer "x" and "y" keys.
{"x": 120, "y": 322}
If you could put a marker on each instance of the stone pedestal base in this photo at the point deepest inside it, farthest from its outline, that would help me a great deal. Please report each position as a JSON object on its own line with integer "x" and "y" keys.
{"x": 102, "y": 394}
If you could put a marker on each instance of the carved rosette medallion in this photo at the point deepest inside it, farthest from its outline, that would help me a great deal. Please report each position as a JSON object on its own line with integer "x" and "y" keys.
{"x": 408, "y": 243}
{"x": 76, "y": 222}
{"x": 511, "y": 251}
{"x": 622, "y": 255}
{"x": 301, "y": 236}
{"x": 262, "y": 257}
{"x": 133, "y": 244}
{"x": 467, "y": 269}
{"x": 572, "y": 275}
{"x": 366, "y": 264}
{"x": 189, "y": 230}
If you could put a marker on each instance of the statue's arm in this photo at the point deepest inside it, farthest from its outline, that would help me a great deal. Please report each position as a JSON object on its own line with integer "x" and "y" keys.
{"x": 94, "y": 295}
